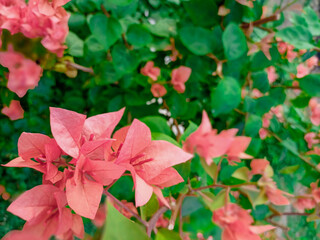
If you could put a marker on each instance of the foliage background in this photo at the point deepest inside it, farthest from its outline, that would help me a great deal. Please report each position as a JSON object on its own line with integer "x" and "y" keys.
{"x": 117, "y": 46}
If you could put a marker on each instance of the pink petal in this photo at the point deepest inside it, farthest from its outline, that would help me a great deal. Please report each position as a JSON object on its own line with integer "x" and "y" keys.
{"x": 84, "y": 196}
{"x": 160, "y": 196}
{"x": 138, "y": 138}
{"x": 103, "y": 172}
{"x": 166, "y": 178}
{"x": 66, "y": 127}
{"x": 32, "y": 145}
{"x": 20, "y": 162}
{"x": 164, "y": 155}
{"x": 261, "y": 229}
{"x": 77, "y": 226}
{"x": 143, "y": 191}
{"x": 14, "y": 111}
{"x": 238, "y": 146}
{"x": 101, "y": 126}
{"x": 33, "y": 202}
{"x": 95, "y": 150}
{"x": 258, "y": 166}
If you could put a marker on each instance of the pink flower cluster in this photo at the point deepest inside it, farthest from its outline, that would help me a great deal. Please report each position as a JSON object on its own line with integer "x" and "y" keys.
{"x": 37, "y": 19}
{"x": 90, "y": 160}
{"x": 43, "y": 19}
{"x": 209, "y": 144}
{"x": 305, "y": 68}
{"x": 179, "y": 77}
{"x": 275, "y": 111}
{"x": 237, "y": 223}
{"x": 287, "y": 50}
{"x": 310, "y": 199}
{"x": 314, "y": 106}
{"x": 24, "y": 74}
{"x": 269, "y": 187}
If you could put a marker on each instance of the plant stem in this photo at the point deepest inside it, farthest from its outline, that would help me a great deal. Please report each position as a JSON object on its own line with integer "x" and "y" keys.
{"x": 120, "y": 204}
{"x": 79, "y": 67}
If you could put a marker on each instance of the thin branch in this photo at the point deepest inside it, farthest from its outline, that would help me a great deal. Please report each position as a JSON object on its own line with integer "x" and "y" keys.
{"x": 152, "y": 222}
{"x": 104, "y": 10}
{"x": 261, "y": 21}
{"x": 176, "y": 210}
{"x": 223, "y": 186}
{"x": 79, "y": 67}
{"x": 120, "y": 204}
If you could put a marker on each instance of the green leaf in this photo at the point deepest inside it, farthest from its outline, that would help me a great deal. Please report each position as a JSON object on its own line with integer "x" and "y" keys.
{"x": 198, "y": 40}
{"x": 311, "y": 84}
{"x": 164, "y": 27}
{"x": 165, "y": 234}
{"x": 312, "y": 20}
{"x": 162, "y": 136}
{"x": 106, "y": 30}
{"x": 214, "y": 202}
{"x": 202, "y": 12}
{"x": 298, "y": 36}
{"x": 105, "y": 74}
{"x": 289, "y": 169}
{"x": 260, "y": 81}
{"x": 93, "y": 50}
{"x": 190, "y": 129}
{"x": 242, "y": 173}
{"x": 253, "y": 125}
{"x": 138, "y": 36}
{"x": 150, "y": 208}
{"x": 118, "y": 227}
{"x": 234, "y": 42}
{"x": 124, "y": 60}
{"x": 211, "y": 170}
{"x": 157, "y": 124}
{"x": 226, "y": 96}
{"x": 119, "y": 2}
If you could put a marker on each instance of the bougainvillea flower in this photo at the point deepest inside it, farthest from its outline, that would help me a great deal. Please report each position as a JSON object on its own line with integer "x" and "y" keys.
{"x": 291, "y": 55}
{"x": 312, "y": 62}
{"x": 150, "y": 162}
{"x": 24, "y": 74}
{"x": 238, "y": 145}
{"x": 84, "y": 189}
{"x": 282, "y": 47}
{"x": 72, "y": 130}
{"x": 43, "y": 150}
{"x": 315, "y": 111}
{"x": 248, "y": 3}
{"x": 265, "y": 44}
{"x": 315, "y": 191}
{"x": 305, "y": 202}
{"x": 302, "y": 70}
{"x": 158, "y": 90}
{"x": 258, "y": 166}
{"x": 272, "y": 75}
{"x": 311, "y": 139}
{"x": 150, "y": 71}
{"x": 206, "y": 142}
{"x": 14, "y": 111}
{"x": 179, "y": 76}
{"x": 237, "y": 223}
{"x": 43, "y": 207}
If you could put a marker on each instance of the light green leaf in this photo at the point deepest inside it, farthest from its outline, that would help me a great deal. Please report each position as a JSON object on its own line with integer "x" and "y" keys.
{"x": 118, "y": 227}
{"x": 226, "y": 96}
{"x": 198, "y": 40}
{"x": 298, "y": 36}
{"x": 106, "y": 30}
{"x": 234, "y": 42}
{"x": 311, "y": 84}
{"x": 165, "y": 234}
{"x": 242, "y": 173}
{"x": 157, "y": 124}
{"x": 75, "y": 45}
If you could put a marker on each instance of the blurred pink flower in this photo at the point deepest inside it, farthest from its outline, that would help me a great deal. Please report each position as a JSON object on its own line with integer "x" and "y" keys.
{"x": 179, "y": 76}
{"x": 150, "y": 70}
{"x": 14, "y": 111}
{"x": 158, "y": 90}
